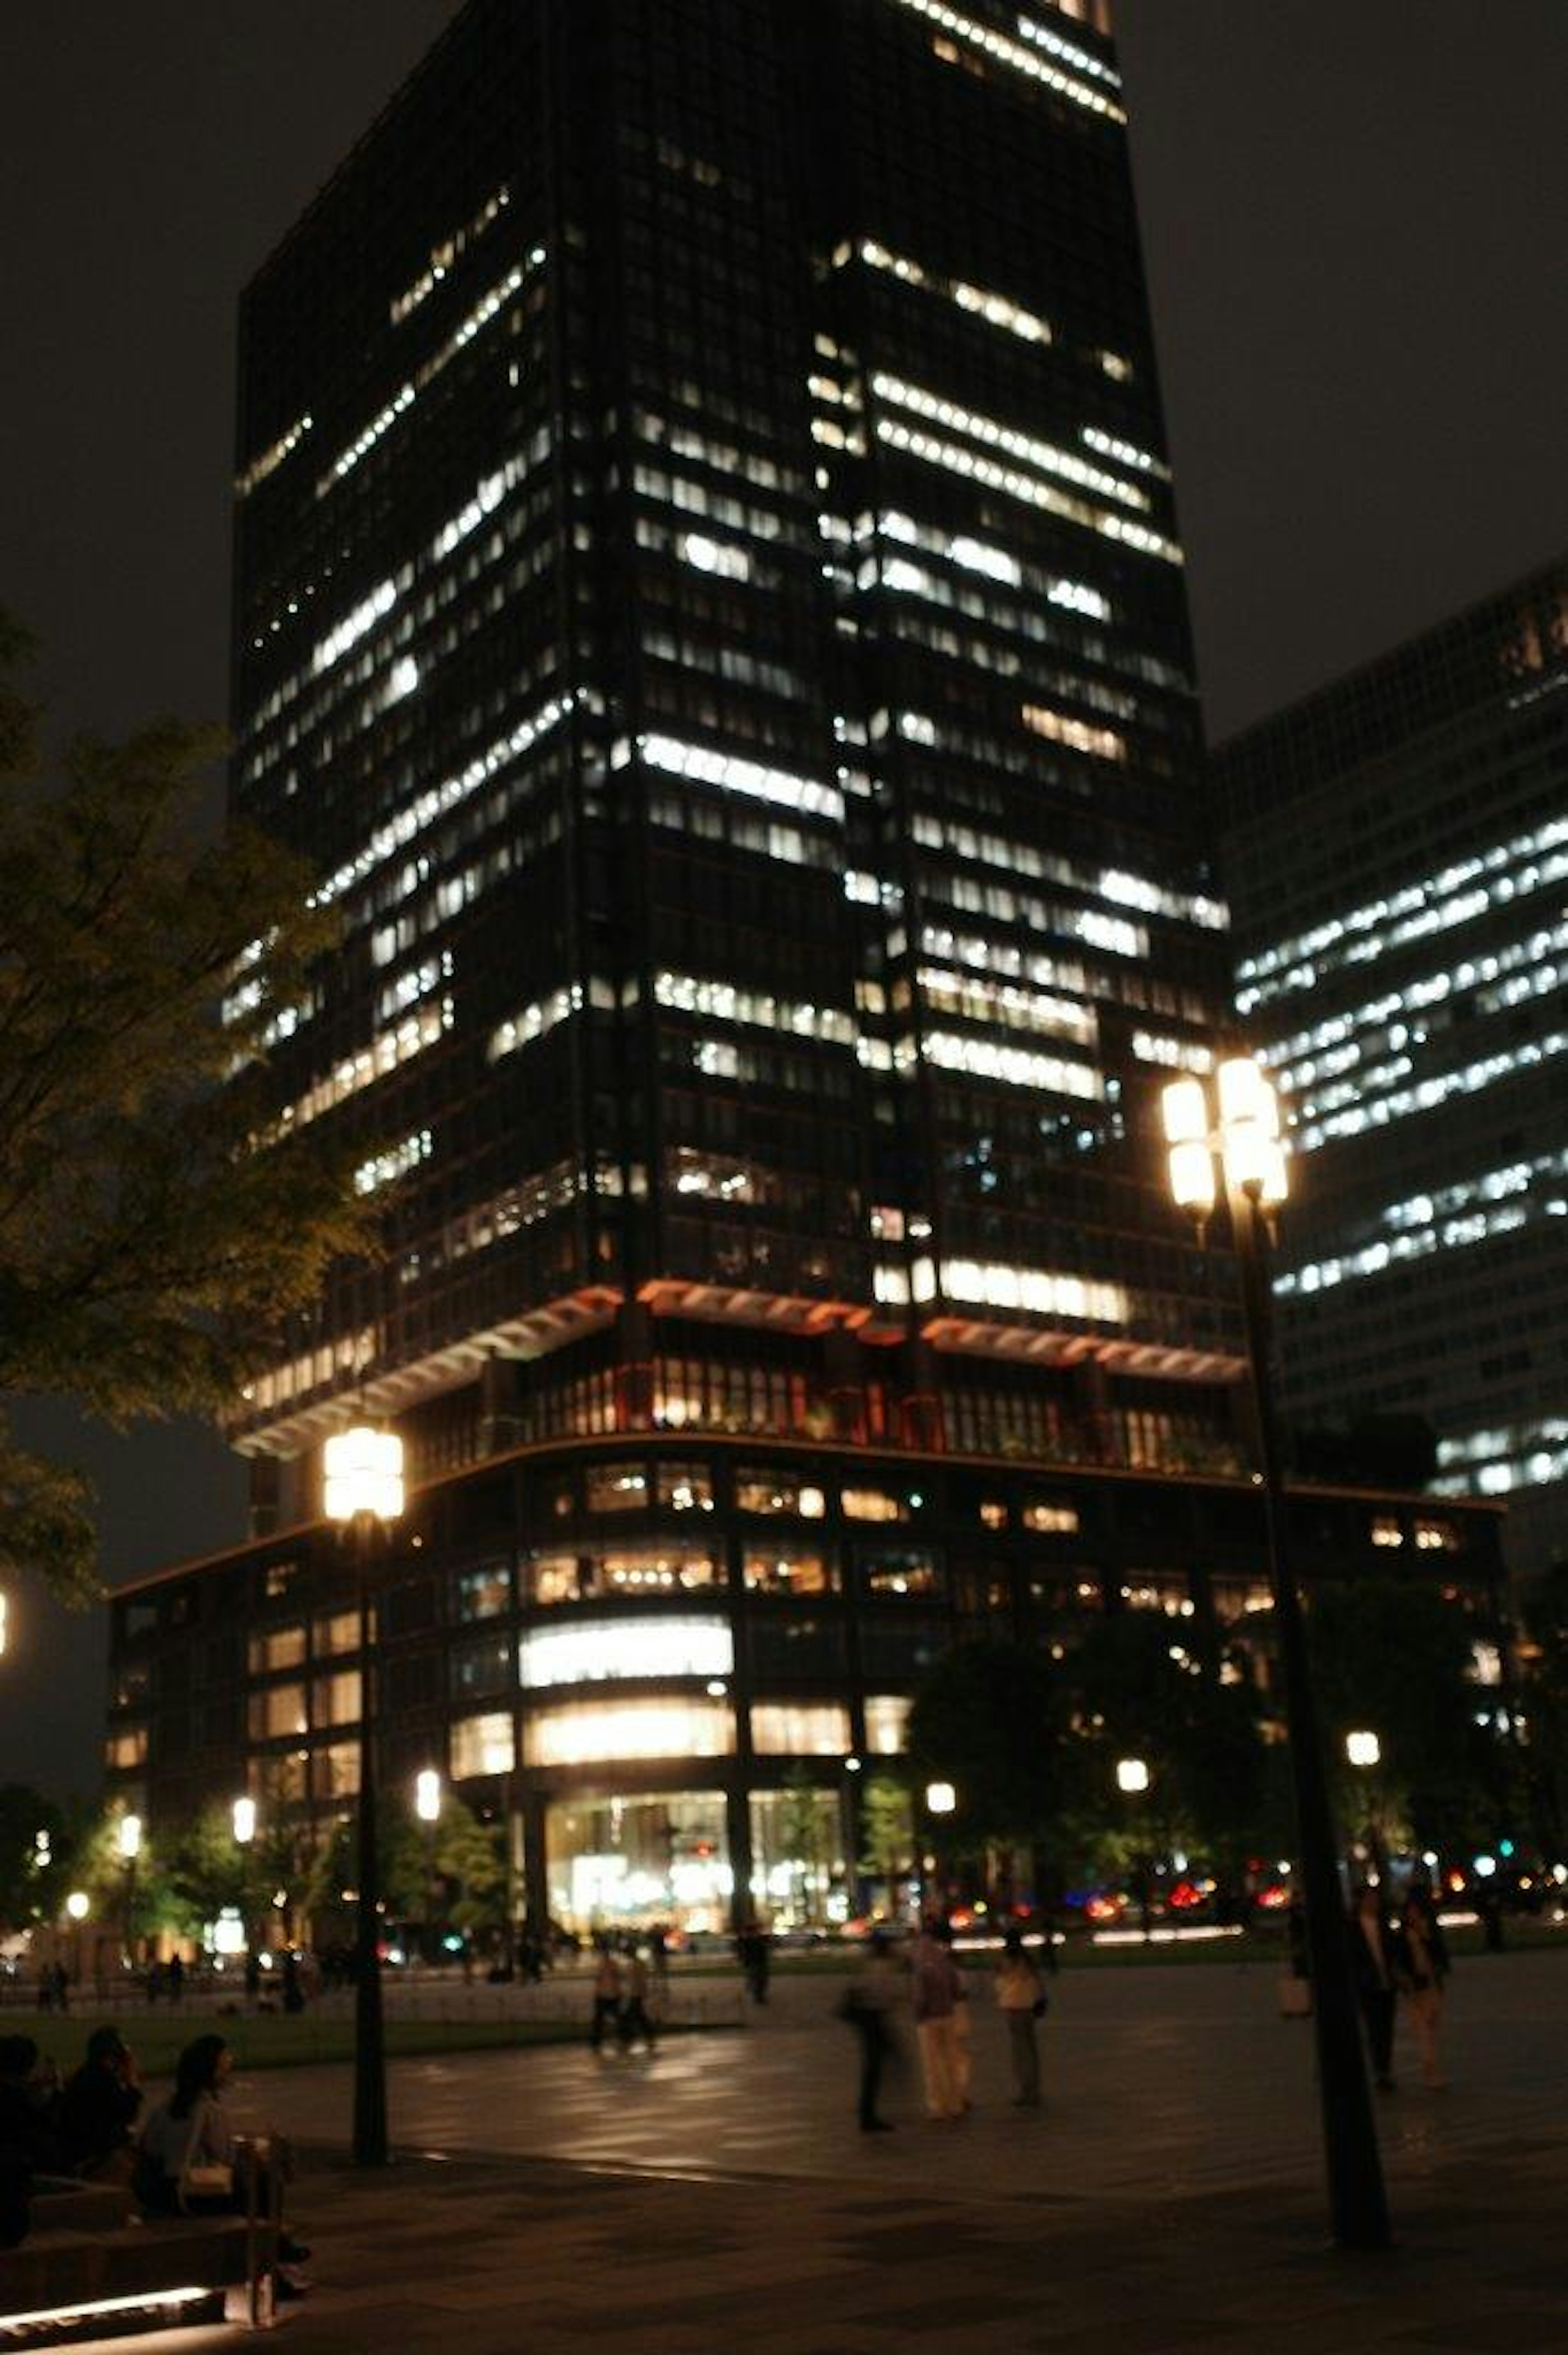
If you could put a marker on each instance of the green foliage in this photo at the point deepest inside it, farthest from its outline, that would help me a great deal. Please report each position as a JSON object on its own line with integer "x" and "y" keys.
{"x": 33, "y": 1881}
{"x": 464, "y": 1859}
{"x": 886, "y": 1833}
{"x": 1543, "y": 1619}
{"x": 991, "y": 1720}
{"x": 1208, "y": 1790}
{"x": 152, "y": 1233}
{"x": 1394, "y": 1658}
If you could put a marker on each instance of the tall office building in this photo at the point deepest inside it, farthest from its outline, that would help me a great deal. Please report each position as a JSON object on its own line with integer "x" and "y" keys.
{"x": 709, "y": 603}
{"x": 1398, "y": 854}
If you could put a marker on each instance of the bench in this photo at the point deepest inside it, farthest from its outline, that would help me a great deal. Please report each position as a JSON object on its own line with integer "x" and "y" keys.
{"x": 88, "y": 2269}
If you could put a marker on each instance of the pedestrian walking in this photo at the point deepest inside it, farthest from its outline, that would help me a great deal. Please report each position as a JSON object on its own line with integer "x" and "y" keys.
{"x": 754, "y": 1948}
{"x": 936, "y": 1992}
{"x": 293, "y": 1984}
{"x": 635, "y": 2020}
{"x": 1373, "y": 1949}
{"x": 1422, "y": 1966}
{"x": 1021, "y": 2001}
{"x": 606, "y": 1995}
{"x": 177, "y": 1978}
{"x": 867, "y": 2005}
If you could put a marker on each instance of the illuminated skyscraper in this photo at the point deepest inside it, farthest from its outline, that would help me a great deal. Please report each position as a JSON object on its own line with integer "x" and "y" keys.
{"x": 709, "y": 603}
{"x": 1398, "y": 858}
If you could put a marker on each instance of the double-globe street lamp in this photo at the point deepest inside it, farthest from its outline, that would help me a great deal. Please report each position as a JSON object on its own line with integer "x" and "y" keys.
{"x": 1242, "y": 1151}
{"x": 363, "y": 1491}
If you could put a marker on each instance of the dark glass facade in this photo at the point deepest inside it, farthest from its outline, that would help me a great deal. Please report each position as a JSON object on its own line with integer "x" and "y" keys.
{"x": 709, "y": 606}
{"x": 1396, "y": 851}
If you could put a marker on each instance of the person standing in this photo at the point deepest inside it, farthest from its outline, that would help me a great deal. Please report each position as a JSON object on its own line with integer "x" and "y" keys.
{"x": 867, "y": 2005}
{"x": 634, "y": 2016}
{"x": 606, "y": 1995}
{"x": 1422, "y": 1968}
{"x": 1021, "y": 2001}
{"x": 1373, "y": 1949}
{"x": 936, "y": 1992}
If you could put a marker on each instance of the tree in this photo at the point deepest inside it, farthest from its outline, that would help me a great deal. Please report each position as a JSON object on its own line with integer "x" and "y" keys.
{"x": 1394, "y": 1658}
{"x": 156, "y": 1223}
{"x": 1142, "y": 1693}
{"x": 886, "y": 1835}
{"x": 459, "y": 1851}
{"x": 35, "y": 1857}
{"x": 1544, "y": 1655}
{"x": 992, "y": 1719}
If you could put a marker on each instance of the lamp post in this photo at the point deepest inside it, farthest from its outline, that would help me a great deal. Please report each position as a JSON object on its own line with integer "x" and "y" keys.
{"x": 1364, "y": 1752}
{"x": 1132, "y": 1780}
{"x": 428, "y": 1807}
{"x": 1243, "y": 1148}
{"x": 130, "y": 1844}
{"x": 364, "y": 1490}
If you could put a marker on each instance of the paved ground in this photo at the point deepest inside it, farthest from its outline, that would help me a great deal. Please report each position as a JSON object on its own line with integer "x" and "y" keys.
{"x": 1165, "y": 2199}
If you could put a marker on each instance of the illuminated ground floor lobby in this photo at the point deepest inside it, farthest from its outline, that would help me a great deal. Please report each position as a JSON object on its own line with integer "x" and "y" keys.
{"x": 638, "y": 1863}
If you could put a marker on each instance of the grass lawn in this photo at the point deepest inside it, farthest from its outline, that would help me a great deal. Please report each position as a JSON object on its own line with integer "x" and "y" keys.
{"x": 284, "y": 2043}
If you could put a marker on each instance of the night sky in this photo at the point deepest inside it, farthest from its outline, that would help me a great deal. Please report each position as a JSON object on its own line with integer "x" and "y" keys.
{"x": 1353, "y": 224}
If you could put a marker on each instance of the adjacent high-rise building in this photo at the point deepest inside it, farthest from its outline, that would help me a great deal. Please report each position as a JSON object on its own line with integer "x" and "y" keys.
{"x": 709, "y": 605}
{"x": 1397, "y": 855}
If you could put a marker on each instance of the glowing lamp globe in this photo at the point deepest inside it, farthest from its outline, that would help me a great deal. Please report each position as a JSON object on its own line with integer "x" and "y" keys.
{"x": 364, "y": 1474}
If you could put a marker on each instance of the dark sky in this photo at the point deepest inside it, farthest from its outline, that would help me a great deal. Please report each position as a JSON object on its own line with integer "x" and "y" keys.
{"x": 1354, "y": 215}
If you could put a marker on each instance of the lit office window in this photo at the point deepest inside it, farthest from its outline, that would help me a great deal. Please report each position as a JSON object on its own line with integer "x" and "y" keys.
{"x": 600, "y": 1733}
{"x": 608, "y": 1650}
{"x": 799, "y": 1729}
{"x": 482, "y": 1746}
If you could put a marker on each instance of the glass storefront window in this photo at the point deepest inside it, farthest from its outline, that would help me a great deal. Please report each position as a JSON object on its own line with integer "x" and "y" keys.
{"x": 685, "y": 1489}
{"x": 277, "y": 1648}
{"x": 483, "y": 1665}
{"x": 617, "y": 1487}
{"x": 482, "y": 1746}
{"x": 758, "y": 1491}
{"x": 280, "y": 1710}
{"x": 484, "y": 1591}
{"x": 900, "y": 1570}
{"x": 886, "y": 1723}
{"x": 335, "y": 1699}
{"x": 644, "y": 1862}
{"x": 606, "y": 1650}
{"x": 598, "y": 1732}
{"x": 633, "y": 1571}
{"x": 337, "y": 1631}
{"x": 798, "y": 1875}
{"x": 1050, "y": 1520}
{"x": 786, "y": 1570}
{"x": 1239, "y": 1598}
{"x": 873, "y": 1505}
{"x": 1150, "y": 1590}
{"x": 782, "y": 1729}
{"x": 335, "y": 1771}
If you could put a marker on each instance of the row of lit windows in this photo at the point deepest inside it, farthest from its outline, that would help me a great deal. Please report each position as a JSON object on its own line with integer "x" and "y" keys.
{"x": 1036, "y": 63}
{"x": 1434, "y": 903}
{"x": 445, "y": 254}
{"x": 487, "y": 308}
{"x": 1122, "y": 888}
{"x": 1520, "y": 1456}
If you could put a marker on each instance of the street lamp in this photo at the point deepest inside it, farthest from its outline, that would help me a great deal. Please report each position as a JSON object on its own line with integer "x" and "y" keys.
{"x": 362, "y": 1489}
{"x": 1244, "y": 1148}
{"x": 1132, "y": 1780}
{"x": 244, "y": 1821}
{"x": 941, "y": 1800}
{"x": 428, "y": 1807}
{"x": 1364, "y": 1751}
{"x": 129, "y": 1840}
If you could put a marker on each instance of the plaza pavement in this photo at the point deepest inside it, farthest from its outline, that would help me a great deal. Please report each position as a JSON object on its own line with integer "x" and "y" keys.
{"x": 1167, "y": 2196}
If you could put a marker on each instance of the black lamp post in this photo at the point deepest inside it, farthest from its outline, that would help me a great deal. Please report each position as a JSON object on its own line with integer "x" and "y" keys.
{"x": 364, "y": 1490}
{"x": 1245, "y": 1151}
